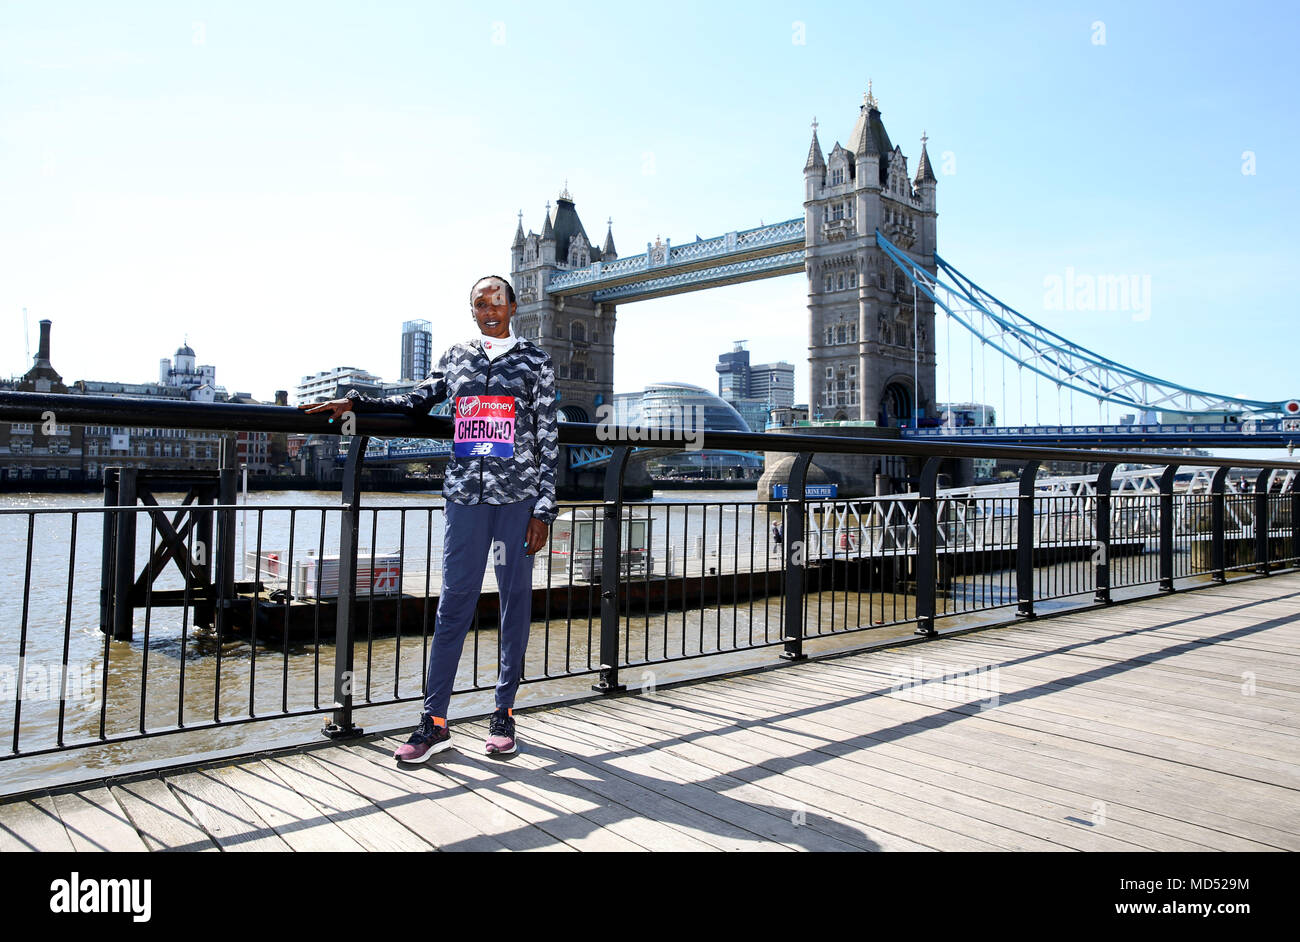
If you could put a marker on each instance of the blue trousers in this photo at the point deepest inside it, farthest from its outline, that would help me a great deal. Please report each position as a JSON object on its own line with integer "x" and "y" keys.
{"x": 472, "y": 532}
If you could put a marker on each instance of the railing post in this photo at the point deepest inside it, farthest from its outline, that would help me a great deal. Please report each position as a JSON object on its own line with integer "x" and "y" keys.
{"x": 124, "y": 556}
{"x": 611, "y": 550}
{"x": 341, "y": 725}
{"x": 108, "y": 555}
{"x": 1167, "y": 528}
{"x": 927, "y": 547}
{"x": 1261, "y": 521}
{"x": 1218, "y": 525}
{"x": 227, "y": 484}
{"x": 1295, "y": 521}
{"x": 796, "y": 556}
{"x": 1102, "y": 555}
{"x": 1025, "y": 542}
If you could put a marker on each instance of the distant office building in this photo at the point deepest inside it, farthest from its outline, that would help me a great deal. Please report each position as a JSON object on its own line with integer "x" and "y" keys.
{"x": 753, "y": 411}
{"x": 417, "y": 350}
{"x": 335, "y": 383}
{"x": 774, "y": 383}
{"x": 733, "y": 373}
{"x": 754, "y": 390}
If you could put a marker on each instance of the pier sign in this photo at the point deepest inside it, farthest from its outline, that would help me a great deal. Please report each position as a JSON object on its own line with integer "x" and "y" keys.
{"x": 811, "y": 492}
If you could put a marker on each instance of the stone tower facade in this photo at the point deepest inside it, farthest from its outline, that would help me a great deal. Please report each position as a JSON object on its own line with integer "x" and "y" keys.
{"x": 577, "y": 332}
{"x": 860, "y": 306}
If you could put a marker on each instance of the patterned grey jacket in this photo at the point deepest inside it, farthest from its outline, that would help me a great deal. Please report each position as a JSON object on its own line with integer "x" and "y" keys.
{"x": 482, "y": 469}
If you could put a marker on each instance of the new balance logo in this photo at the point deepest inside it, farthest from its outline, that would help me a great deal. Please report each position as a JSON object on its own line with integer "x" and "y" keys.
{"x": 481, "y": 448}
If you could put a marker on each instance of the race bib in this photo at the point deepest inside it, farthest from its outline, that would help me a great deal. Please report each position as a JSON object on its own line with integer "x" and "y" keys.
{"x": 485, "y": 426}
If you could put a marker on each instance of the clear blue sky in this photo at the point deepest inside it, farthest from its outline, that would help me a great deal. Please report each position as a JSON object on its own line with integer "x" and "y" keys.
{"x": 284, "y": 183}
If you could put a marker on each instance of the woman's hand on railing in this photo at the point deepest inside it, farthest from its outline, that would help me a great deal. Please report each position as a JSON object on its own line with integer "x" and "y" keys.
{"x": 335, "y": 408}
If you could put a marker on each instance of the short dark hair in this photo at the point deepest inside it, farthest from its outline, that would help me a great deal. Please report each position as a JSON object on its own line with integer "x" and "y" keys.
{"x": 510, "y": 291}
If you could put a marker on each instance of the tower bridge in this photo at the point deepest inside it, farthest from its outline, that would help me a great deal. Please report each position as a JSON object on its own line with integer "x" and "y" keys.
{"x": 867, "y": 245}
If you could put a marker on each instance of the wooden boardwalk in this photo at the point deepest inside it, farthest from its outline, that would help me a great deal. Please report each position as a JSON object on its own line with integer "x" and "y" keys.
{"x": 1166, "y": 724}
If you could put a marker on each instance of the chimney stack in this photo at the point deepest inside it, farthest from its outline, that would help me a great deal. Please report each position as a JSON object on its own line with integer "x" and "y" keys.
{"x": 43, "y": 352}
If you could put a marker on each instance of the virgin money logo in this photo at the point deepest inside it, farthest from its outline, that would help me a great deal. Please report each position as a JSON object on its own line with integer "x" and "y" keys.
{"x": 467, "y": 405}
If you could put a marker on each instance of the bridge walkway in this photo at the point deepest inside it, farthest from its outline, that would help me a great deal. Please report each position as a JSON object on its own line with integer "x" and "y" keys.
{"x": 1164, "y": 724}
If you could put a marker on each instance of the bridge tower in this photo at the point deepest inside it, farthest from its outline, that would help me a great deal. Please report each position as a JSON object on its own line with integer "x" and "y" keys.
{"x": 575, "y": 331}
{"x": 861, "y": 341}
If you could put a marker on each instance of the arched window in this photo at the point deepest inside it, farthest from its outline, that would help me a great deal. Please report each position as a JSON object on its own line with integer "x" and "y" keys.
{"x": 577, "y": 331}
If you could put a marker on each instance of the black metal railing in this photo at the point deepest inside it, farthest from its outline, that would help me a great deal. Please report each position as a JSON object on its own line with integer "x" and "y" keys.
{"x": 205, "y": 613}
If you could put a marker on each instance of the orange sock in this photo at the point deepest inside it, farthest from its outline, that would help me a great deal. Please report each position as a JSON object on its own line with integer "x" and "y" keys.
{"x": 440, "y": 721}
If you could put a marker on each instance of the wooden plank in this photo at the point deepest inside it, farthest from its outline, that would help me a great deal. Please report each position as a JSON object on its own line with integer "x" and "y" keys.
{"x": 95, "y": 821}
{"x": 1162, "y": 783}
{"x": 1098, "y": 752}
{"x": 222, "y": 813}
{"x": 1047, "y": 794}
{"x": 792, "y": 813}
{"x": 1118, "y": 684}
{"x": 1149, "y": 736}
{"x": 1207, "y": 655}
{"x": 298, "y": 822}
{"x": 1181, "y": 733}
{"x": 1227, "y": 643}
{"x": 647, "y": 791}
{"x": 159, "y": 817}
{"x": 500, "y": 783}
{"x": 368, "y": 769}
{"x": 712, "y": 793}
{"x": 1008, "y": 788}
{"x": 581, "y": 794}
{"x": 369, "y": 826}
{"x": 847, "y": 819}
{"x": 513, "y": 832}
{"x": 33, "y": 824}
{"x": 994, "y": 827}
{"x": 1227, "y": 710}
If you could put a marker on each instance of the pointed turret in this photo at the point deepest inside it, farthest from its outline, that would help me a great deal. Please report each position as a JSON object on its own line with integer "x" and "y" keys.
{"x": 869, "y": 143}
{"x": 862, "y": 141}
{"x": 548, "y": 252}
{"x": 924, "y": 173}
{"x": 815, "y": 160}
{"x": 607, "y": 251}
{"x": 519, "y": 232}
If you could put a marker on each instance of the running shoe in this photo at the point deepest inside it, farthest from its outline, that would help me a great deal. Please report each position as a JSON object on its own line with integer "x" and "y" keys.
{"x": 501, "y": 733}
{"x": 429, "y": 737}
